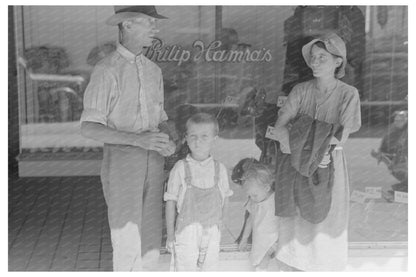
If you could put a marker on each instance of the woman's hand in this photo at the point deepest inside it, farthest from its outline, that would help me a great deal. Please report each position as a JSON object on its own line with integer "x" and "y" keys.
{"x": 282, "y": 135}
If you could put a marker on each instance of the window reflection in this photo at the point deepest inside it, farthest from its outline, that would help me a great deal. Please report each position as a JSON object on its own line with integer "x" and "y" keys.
{"x": 58, "y": 52}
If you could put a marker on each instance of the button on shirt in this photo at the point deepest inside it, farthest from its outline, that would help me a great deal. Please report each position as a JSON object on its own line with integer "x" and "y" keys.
{"x": 202, "y": 177}
{"x": 125, "y": 92}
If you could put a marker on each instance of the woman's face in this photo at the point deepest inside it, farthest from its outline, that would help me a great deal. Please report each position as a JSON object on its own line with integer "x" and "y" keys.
{"x": 323, "y": 63}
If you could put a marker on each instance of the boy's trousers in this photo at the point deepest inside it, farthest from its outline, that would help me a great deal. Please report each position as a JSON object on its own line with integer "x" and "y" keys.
{"x": 188, "y": 244}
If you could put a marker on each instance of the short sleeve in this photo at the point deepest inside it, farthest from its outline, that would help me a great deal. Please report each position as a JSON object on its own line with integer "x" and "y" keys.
{"x": 224, "y": 184}
{"x": 174, "y": 182}
{"x": 351, "y": 111}
{"x": 98, "y": 96}
{"x": 292, "y": 104}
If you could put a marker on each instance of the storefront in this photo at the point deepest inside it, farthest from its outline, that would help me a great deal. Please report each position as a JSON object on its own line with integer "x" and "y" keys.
{"x": 215, "y": 58}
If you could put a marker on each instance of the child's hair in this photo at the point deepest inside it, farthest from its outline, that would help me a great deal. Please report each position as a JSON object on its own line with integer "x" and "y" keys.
{"x": 240, "y": 168}
{"x": 203, "y": 118}
{"x": 260, "y": 172}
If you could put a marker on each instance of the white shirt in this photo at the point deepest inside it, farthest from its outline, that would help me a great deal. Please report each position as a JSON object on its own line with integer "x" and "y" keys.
{"x": 202, "y": 177}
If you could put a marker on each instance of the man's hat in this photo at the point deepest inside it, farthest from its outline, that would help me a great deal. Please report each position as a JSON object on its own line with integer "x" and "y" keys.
{"x": 334, "y": 44}
{"x": 123, "y": 13}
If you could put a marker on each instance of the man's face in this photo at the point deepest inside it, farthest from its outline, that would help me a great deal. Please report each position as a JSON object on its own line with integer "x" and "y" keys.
{"x": 144, "y": 29}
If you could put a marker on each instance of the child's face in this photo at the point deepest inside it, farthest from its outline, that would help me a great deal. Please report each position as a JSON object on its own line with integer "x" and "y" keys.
{"x": 257, "y": 192}
{"x": 200, "y": 139}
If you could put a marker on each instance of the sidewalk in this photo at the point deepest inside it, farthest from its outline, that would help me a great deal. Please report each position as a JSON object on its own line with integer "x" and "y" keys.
{"x": 60, "y": 224}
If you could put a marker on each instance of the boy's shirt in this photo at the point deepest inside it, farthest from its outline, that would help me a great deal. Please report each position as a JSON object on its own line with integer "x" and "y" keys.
{"x": 265, "y": 227}
{"x": 202, "y": 177}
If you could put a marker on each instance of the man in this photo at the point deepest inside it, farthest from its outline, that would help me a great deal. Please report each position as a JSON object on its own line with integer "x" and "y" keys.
{"x": 123, "y": 108}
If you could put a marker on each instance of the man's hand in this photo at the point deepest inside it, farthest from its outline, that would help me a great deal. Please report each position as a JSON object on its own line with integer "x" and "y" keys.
{"x": 152, "y": 141}
{"x": 169, "y": 150}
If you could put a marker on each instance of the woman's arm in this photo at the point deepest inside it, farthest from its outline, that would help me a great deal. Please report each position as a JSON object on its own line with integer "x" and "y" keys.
{"x": 282, "y": 132}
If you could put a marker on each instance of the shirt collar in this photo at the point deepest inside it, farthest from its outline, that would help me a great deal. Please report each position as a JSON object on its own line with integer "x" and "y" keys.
{"x": 201, "y": 163}
{"x": 127, "y": 54}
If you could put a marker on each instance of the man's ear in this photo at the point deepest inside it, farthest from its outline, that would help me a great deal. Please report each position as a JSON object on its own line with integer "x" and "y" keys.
{"x": 339, "y": 61}
{"x": 126, "y": 24}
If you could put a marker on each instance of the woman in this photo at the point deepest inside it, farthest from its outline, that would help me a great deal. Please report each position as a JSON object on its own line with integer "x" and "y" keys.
{"x": 323, "y": 246}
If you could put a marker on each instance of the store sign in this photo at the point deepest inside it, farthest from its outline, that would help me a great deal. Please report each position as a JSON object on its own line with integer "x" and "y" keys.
{"x": 373, "y": 192}
{"x": 210, "y": 52}
{"x": 400, "y": 197}
{"x": 358, "y": 196}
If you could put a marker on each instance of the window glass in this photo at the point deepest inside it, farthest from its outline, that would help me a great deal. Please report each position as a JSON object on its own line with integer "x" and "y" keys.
{"x": 239, "y": 63}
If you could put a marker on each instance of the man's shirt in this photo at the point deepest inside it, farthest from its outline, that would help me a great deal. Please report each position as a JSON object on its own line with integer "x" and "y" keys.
{"x": 125, "y": 92}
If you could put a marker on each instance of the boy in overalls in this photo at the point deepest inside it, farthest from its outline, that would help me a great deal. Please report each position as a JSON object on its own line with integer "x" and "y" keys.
{"x": 198, "y": 190}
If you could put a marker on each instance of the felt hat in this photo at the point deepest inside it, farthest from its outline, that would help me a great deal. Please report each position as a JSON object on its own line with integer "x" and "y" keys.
{"x": 123, "y": 13}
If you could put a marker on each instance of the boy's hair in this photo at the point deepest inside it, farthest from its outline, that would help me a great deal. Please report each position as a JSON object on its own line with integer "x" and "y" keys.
{"x": 260, "y": 172}
{"x": 203, "y": 118}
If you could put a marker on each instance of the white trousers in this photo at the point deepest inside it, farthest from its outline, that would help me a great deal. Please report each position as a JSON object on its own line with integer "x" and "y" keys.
{"x": 188, "y": 244}
{"x": 127, "y": 254}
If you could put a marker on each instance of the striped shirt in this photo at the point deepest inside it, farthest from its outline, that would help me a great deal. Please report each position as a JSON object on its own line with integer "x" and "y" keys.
{"x": 125, "y": 92}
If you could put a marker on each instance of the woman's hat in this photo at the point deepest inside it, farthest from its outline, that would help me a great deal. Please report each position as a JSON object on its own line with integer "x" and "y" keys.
{"x": 123, "y": 13}
{"x": 334, "y": 44}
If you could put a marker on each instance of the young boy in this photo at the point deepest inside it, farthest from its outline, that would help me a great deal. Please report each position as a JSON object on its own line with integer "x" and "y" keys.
{"x": 198, "y": 190}
{"x": 257, "y": 183}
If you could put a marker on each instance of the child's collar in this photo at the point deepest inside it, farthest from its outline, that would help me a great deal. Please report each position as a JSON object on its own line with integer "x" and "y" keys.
{"x": 203, "y": 163}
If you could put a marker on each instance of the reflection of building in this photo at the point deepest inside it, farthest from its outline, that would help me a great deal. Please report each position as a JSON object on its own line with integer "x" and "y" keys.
{"x": 385, "y": 73}
{"x": 80, "y": 29}
{"x": 308, "y": 22}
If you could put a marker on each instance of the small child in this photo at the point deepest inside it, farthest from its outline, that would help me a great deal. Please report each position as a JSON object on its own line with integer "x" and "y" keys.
{"x": 257, "y": 183}
{"x": 198, "y": 190}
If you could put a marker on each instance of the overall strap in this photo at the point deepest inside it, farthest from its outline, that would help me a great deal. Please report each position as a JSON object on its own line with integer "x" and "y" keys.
{"x": 188, "y": 176}
{"x": 217, "y": 173}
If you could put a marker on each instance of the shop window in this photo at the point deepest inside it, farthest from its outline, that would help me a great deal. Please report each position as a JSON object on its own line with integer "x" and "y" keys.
{"x": 235, "y": 62}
